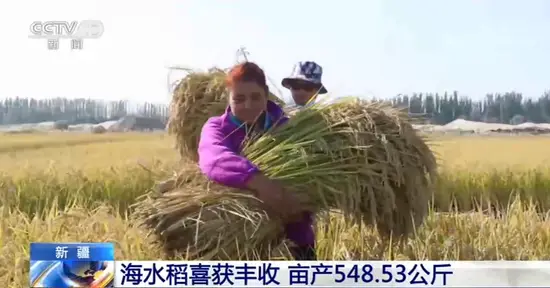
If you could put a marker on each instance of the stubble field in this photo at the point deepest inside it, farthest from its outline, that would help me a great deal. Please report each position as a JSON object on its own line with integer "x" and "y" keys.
{"x": 491, "y": 202}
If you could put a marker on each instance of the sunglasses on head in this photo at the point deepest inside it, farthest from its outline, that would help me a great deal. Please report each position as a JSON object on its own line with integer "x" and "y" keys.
{"x": 306, "y": 86}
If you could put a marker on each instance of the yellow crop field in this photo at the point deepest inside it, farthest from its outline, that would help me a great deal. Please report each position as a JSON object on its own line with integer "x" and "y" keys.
{"x": 491, "y": 201}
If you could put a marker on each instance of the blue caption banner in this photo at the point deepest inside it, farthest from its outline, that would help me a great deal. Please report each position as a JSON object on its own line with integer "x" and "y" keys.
{"x": 72, "y": 252}
{"x": 281, "y": 274}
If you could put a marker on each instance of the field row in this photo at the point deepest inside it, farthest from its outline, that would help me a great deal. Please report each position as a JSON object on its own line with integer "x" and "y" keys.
{"x": 79, "y": 188}
{"x": 455, "y": 191}
{"x": 116, "y": 168}
{"x": 106, "y": 150}
{"x": 521, "y": 234}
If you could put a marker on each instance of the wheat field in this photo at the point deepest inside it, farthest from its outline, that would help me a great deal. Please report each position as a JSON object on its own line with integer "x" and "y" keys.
{"x": 490, "y": 204}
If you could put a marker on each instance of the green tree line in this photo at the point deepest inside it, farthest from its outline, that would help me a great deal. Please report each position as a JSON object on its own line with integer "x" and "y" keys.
{"x": 506, "y": 108}
{"x": 509, "y": 108}
{"x": 73, "y": 111}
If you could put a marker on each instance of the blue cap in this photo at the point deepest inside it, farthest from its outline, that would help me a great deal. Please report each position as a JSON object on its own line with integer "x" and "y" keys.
{"x": 308, "y": 71}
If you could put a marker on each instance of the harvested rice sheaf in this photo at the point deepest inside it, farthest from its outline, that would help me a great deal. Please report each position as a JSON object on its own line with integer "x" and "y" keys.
{"x": 363, "y": 159}
{"x": 205, "y": 220}
{"x": 197, "y": 97}
{"x": 403, "y": 167}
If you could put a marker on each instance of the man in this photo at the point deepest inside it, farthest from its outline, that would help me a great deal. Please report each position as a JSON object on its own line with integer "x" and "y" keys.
{"x": 305, "y": 83}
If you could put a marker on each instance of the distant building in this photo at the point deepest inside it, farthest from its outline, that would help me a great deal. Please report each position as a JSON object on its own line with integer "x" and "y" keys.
{"x": 61, "y": 125}
{"x": 137, "y": 123}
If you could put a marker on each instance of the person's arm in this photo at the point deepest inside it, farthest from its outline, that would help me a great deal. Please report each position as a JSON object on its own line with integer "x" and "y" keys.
{"x": 222, "y": 165}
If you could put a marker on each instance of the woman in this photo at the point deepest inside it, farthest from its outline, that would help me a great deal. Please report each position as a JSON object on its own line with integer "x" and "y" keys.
{"x": 220, "y": 144}
{"x": 305, "y": 82}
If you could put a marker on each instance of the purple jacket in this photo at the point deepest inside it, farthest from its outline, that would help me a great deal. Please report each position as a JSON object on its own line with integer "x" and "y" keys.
{"x": 220, "y": 160}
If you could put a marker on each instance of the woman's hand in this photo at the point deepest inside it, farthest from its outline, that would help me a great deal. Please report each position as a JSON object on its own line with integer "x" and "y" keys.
{"x": 273, "y": 195}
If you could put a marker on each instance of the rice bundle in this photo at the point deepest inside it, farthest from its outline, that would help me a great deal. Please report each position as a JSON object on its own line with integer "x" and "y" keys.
{"x": 363, "y": 159}
{"x": 216, "y": 223}
{"x": 197, "y": 97}
{"x": 309, "y": 155}
{"x": 403, "y": 167}
{"x": 193, "y": 215}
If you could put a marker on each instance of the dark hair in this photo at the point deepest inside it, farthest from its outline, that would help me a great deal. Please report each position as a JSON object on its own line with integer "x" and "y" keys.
{"x": 246, "y": 72}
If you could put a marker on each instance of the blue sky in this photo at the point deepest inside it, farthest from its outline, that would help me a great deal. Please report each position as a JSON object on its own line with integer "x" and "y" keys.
{"x": 366, "y": 47}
